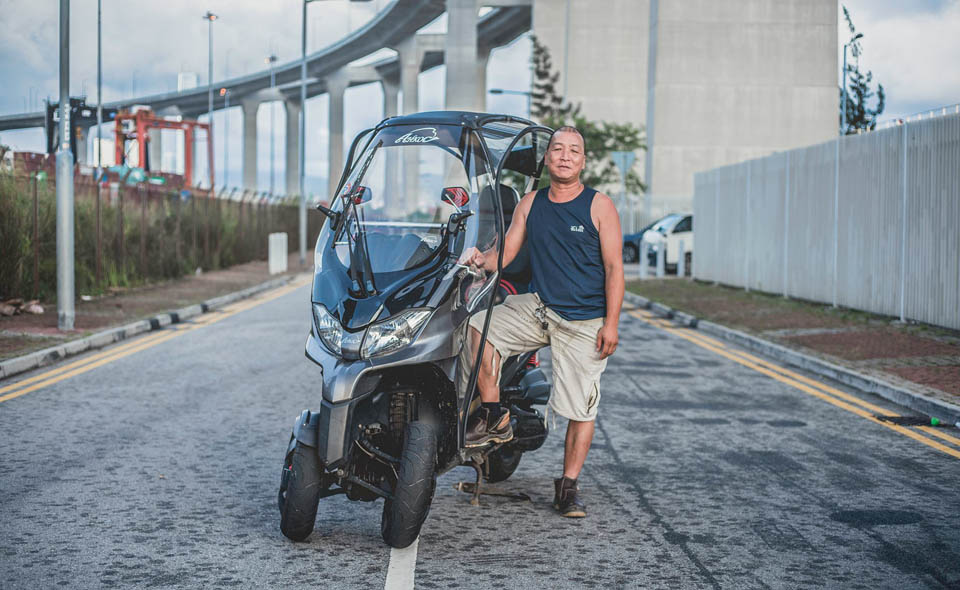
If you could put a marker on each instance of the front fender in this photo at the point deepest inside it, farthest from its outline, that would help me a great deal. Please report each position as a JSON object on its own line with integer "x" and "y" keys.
{"x": 305, "y": 429}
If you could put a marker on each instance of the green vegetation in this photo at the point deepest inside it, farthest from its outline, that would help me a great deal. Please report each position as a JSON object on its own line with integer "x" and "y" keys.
{"x": 859, "y": 116}
{"x": 601, "y": 137}
{"x": 147, "y": 233}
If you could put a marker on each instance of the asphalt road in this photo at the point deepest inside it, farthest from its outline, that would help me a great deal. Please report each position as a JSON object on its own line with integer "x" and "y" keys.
{"x": 156, "y": 464}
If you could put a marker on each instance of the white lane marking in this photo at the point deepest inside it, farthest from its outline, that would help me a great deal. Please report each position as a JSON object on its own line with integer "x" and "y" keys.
{"x": 403, "y": 563}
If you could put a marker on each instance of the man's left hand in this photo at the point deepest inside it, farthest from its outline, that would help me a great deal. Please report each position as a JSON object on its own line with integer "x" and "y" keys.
{"x": 607, "y": 340}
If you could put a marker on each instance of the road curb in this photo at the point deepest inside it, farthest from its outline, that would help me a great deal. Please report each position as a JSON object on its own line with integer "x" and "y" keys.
{"x": 47, "y": 356}
{"x": 919, "y": 402}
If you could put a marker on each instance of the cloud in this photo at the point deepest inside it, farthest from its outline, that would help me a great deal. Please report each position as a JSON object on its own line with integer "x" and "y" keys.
{"x": 912, "y": 51}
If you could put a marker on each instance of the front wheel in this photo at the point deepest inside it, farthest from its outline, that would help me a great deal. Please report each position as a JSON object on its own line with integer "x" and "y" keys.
{"x": 630, "y": 253}
{"x": 403, "y": 515}
{"x": 299, "y": 492}
{"x": 502, "y": 463}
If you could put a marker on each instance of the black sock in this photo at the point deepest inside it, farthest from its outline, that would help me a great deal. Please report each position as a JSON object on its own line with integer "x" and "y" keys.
{"x": 494, "y": 411}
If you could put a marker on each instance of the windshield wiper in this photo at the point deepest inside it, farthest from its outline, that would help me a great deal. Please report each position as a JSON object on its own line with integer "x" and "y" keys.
{"x": 349, "y": 205}
{"x": 360, "y": 258}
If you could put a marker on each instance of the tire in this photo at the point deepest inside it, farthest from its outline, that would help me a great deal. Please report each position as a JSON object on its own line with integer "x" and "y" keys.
{"x": 416, "y": 481}
{"x": 688, "y": 264}
{"x": 630, "y": 253}
{"x": 503, "y": 463}
{"x": 299, "y": 493}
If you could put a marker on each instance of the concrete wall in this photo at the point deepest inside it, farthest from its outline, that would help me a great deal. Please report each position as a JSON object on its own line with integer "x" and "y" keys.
{"x": 730, "y": 80}
{"x": 606, "y": 60}
{"x": 869, "y": 222}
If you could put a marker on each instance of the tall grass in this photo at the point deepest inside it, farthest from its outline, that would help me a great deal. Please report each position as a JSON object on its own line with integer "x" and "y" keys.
{"x": 178, "y": 235}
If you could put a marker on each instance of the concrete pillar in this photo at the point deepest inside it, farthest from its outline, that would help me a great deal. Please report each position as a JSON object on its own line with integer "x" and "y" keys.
{"x": 336, "y": 86}
{"x": 249, "y": 108}
{"x": 460, "y": 55}
{"x": 292, "y": 168}
{"x": 410, "y": 58}
{"x": 483, "y": 56}
{"x": 391, "y": 88}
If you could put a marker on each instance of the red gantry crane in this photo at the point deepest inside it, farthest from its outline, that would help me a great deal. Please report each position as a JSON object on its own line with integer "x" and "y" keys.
{"x": 144, "y": 120}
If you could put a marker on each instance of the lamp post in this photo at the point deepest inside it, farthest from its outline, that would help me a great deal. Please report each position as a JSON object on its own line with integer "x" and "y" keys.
{"x": 210, "y": 17}
{"x": 843, "y": 107}
{"x": 99, "y": 99}
{"x": 517, "y": 92}
{"x": 225, "y": 93}
{"x": 272, "y": 59}
{"x": 65, "y": 277}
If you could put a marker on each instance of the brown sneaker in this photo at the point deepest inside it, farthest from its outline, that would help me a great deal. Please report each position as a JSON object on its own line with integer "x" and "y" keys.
{"x": 480, "y": 433}
{"x": 566, "y": 500}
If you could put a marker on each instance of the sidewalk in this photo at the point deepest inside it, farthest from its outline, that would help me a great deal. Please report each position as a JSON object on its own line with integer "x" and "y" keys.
{"x": 918, "y": 357}
{"x": 25, "y": 333}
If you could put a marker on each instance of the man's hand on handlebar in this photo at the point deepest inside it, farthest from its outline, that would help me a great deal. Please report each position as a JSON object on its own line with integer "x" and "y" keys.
{"x": 473, "y": 257}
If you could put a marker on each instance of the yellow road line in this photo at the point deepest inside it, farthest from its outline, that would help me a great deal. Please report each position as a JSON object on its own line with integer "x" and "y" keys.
{"x": 803, "y": 387}
{"x": 99, "y": 359}
{"x": 62, "y": 369}
{"x": 937, "y": 432}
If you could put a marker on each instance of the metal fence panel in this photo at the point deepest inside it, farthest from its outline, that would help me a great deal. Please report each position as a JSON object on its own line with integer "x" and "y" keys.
{"x": 870, "y": 222}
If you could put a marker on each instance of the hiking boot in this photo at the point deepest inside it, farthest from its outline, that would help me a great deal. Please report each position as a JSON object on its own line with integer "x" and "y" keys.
{"x": 480, "y": 432}
{"x": 566, "y": 500}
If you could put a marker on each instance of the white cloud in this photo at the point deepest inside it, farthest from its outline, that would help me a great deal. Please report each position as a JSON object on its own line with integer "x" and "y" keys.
{"x": 912, "y": 51}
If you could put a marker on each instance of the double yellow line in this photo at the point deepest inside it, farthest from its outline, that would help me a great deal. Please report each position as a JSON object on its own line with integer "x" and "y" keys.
{"x": 114, "y": 353}
{"x": 812, "y": 387}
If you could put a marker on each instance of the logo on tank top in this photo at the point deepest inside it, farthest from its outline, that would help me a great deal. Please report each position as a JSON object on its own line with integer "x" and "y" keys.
{"x": 576, "y": 228}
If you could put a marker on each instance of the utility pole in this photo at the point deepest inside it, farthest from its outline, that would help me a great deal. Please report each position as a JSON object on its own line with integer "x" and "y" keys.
{"x": 303, "y": 136}
{"x": 210, "y": 17}
{"x": 225, "y": 93}
{"x": 272, "y": 59}
{"x": 99, "y": 99}
{"x": 65, "y": 278}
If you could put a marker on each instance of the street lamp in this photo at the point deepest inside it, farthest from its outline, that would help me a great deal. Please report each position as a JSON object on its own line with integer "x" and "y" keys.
{"x": 225, "y": 93}
{"x": 210, "y": 17}
{"x": 517, "y": 92}
{"x": 271, "y": 59}
{"x": 65, "y": 223}
{"x": 843, "y": 107}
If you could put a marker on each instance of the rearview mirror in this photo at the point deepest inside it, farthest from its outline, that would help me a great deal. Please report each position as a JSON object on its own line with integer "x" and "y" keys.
{"x": 361, "y": 194}
{"x": 456, "y": 196}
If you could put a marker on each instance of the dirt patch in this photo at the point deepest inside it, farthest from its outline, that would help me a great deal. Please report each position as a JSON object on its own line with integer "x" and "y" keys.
{"x": 926, "y": 355}
{"x": 121, "y": 306}
{"x": 943, "y": 378}
{"x": 875, "y": 344}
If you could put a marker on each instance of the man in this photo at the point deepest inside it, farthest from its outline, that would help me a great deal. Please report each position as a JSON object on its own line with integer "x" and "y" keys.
{"x": 574, "y": 240}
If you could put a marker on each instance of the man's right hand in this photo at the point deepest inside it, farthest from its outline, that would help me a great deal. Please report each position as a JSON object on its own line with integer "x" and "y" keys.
{"x": 472, "y": 257}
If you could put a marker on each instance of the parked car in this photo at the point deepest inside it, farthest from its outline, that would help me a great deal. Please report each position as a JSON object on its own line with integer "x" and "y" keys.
{"x": 631, "y": 244}
{"x": 667, "y": 233}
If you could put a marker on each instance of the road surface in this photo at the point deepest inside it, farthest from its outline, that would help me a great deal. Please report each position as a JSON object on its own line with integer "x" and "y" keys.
{"x": 155, "y": 463}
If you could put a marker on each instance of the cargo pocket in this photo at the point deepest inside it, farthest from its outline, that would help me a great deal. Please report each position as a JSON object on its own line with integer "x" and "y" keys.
{"x": 594, "y": 398}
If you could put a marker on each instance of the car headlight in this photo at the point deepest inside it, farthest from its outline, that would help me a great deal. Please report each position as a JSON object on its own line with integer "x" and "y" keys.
{"x": 328, "y": 329}
{"x": 393, "y": 334}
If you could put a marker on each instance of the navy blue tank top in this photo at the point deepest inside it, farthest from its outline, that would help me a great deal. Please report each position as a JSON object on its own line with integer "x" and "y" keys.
{"x": 565, "y": 258}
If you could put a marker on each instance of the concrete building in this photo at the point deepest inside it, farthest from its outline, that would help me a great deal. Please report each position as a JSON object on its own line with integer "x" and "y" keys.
{"x": 713, "y": 81}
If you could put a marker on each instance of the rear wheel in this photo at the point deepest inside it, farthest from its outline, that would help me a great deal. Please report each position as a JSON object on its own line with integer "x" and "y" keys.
{"x": 502, "y": 463}
{"x": 299, "y": 492}
{"x": 416, "y": 481}
{"x": 630, "y": 253}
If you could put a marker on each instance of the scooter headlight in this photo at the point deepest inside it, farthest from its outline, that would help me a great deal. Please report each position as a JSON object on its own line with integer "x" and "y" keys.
{"x": 328, "y": 329}
{"x": 395, "y": 333}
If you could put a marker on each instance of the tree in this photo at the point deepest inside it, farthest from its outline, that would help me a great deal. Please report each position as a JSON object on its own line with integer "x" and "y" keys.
{"x": 859, "y": 93}
{"x": 600, "y": 137}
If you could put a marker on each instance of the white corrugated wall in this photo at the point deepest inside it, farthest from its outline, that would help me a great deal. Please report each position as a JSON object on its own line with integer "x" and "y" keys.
{"x": 797, "y": 223}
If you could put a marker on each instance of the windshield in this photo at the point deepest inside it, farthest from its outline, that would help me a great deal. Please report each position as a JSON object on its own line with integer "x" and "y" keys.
{"x": 666, "y": 224}
{"x": 400, "y": 195}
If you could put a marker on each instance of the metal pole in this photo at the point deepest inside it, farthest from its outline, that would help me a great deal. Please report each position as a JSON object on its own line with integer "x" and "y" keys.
{"x": 210, "y": 18}
{"x": 786, "y": 221}
{"x": 303, "y": 134}
{"x": 903, "y": 226}
{"x": 65, "y": 278}
{"x": 226, "y": 136}
{"x": 836, "y": 221}
{"x": 746, "y": 234}
{"x": 99, "y": 101}
{"x": 273, "y": 81}
{"x": 843, "y": 107}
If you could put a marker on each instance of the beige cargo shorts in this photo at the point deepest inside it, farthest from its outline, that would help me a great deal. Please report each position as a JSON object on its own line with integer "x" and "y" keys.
{"x": 577, "y": 366}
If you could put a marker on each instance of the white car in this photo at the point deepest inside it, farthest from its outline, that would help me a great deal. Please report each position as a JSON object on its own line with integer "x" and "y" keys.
{"x": 668, "y": 233}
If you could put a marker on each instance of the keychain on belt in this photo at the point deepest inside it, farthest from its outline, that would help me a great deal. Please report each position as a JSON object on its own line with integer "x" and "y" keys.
{"x": 541, "y": 314}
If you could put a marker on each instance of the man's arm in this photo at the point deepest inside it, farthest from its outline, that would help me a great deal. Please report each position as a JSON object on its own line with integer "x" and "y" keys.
{"x": 516, "y": 235}
{"x": 611, "y": 250}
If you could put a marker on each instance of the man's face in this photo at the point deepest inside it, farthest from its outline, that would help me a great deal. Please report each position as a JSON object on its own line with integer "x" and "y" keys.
{"x": 565, "y": 158}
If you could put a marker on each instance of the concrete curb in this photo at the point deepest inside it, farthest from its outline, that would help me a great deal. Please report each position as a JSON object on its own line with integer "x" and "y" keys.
{"x": 47, "y": 356}
{"x": 919, "y": 402}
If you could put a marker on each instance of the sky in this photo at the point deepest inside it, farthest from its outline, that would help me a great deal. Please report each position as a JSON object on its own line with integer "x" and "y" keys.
{"x": 912, "y": 47}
